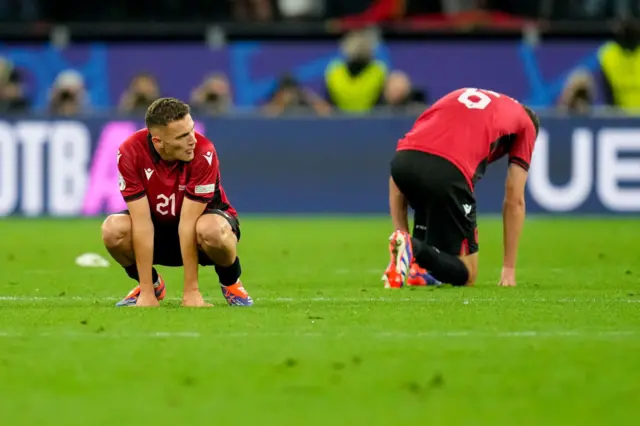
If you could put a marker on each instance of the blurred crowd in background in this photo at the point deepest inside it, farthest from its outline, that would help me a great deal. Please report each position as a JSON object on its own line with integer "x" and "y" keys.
{"x": 355, "y": 84}
{"x": 269, "y": 10}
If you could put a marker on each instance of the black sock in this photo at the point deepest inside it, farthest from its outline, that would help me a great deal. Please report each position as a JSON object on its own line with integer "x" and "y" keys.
{"x": 419, "y": 226}
{"x": 228, "y": 275}
{"x": 132, "y": 271}
{"x": 444, "y": 267}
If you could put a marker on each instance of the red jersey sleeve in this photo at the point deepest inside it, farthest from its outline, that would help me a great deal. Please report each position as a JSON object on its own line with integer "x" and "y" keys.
{"x": 203, "y": 177}
{"x": 522, "y": 149}
{"x": 130, "y": 181}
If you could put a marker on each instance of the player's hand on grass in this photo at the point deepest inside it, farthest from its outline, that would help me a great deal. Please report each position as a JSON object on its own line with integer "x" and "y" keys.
{"x": 507, "y": 278}
{"x": 147, "y": 300}
{"x": 194, "y": 299}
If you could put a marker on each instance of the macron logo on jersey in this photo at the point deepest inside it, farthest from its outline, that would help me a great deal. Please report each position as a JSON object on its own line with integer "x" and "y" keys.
{"x": 208, "y": 156}
{"x": 148, "y": 172}
{"x": 467, "y": 209}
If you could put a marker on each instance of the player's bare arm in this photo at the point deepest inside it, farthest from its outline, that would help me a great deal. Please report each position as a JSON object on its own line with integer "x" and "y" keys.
{"x": 191, "y": 212}
{"x": 142, "y": 231}
{"x": 398, "y": 207}
{"x": 513, "y": 212}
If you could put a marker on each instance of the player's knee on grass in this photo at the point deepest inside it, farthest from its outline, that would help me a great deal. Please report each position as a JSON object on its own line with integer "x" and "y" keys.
{"x": 116, "y": 231}
{"x": 216, "y": 238}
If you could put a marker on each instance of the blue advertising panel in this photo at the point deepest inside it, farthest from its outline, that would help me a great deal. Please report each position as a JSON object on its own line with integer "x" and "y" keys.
{"x": 310, "y": 165}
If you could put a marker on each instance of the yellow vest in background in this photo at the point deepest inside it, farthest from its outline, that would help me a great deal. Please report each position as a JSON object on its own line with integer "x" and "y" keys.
{"x": 622, "y": 69}
{"x": 355, "y": 94}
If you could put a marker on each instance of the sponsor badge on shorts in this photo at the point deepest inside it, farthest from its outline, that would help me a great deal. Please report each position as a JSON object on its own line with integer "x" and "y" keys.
{"x": 121, "y": 183}
{"x": 205, "y": 189}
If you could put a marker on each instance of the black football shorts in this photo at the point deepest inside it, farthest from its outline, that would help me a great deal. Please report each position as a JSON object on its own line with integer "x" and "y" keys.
{"x": 166, "y": 242}
{"x": 439, "y": 193}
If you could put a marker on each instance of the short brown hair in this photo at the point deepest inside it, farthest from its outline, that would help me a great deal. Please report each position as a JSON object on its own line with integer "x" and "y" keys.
{"x": 164, "y": 111}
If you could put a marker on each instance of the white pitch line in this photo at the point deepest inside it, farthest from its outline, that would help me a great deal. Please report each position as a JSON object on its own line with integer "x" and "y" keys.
{"x": 7, "y": 298}
{"x": 339, "y": 271}
{"x": 383, "y": 335}
{"x": 530, "y": 333}
{"x": 444, "y": 300}
{"x": 74, "y": 334}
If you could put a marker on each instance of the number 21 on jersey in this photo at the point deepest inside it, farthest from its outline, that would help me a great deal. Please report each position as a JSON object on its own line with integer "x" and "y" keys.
{"x": 166, "y": 204}
{"x": 477, "y": 98}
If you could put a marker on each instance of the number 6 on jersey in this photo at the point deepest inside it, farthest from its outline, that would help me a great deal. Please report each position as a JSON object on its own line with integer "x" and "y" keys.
{"x": 482, "y": 98}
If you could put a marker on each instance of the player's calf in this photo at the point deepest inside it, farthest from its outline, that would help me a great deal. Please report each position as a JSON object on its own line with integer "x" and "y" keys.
{"x": 117, "y": 238}
{"x": 217, "y": 240}
{"x": 471, "y": 263}
{"x": 445, "y": 267}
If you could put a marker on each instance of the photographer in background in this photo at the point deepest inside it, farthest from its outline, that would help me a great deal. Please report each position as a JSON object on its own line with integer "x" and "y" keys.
{"x": 213, "y": 96}
{"x": 68, "y": 96}
{"x": 12, "y": 97}
{"x": 290, "y": 97}
{"x": 142, "y": 91}
{"x": 578, "y": 94}
{"x": 400, "y": 96}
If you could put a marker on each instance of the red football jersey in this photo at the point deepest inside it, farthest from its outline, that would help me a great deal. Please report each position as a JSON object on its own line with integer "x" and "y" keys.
{"x": 143, "y": 172}
{"x": 471, "y": 128}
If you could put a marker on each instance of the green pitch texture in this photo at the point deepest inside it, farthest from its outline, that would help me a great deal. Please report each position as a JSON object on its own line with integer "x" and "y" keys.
{"x": 325, "y": 343}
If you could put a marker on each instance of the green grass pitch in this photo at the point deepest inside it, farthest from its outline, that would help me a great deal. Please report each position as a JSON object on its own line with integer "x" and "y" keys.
{"x": 325, "y": 343}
